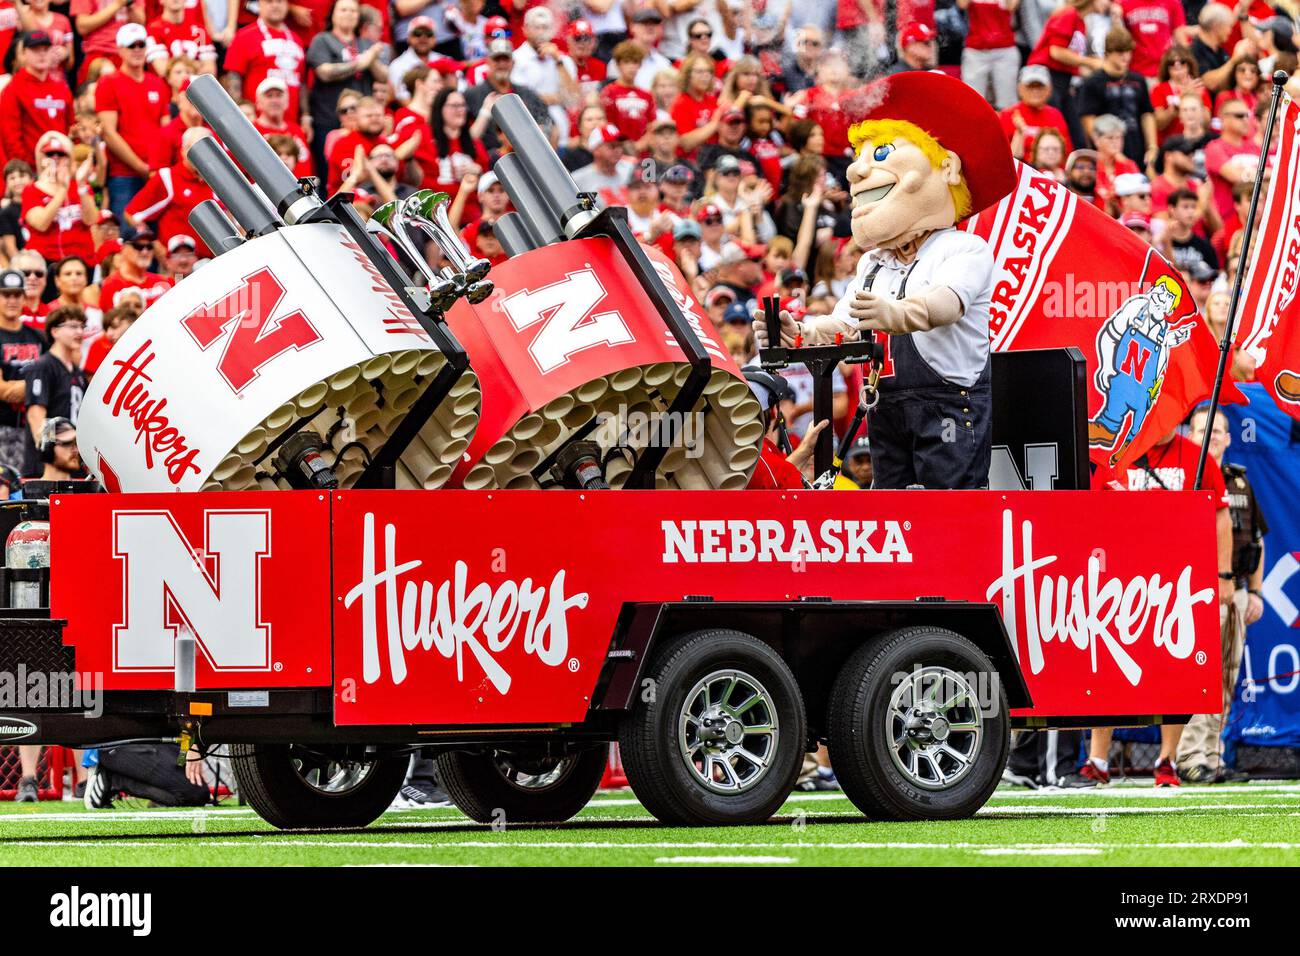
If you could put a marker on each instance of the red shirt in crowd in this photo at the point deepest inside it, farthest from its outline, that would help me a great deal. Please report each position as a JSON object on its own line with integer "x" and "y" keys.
{"x": 1172, "y": 467}
{"x": 342, "y": 152}
{"x": 259, "y": 51}
{"x": 1217, "y": 154}
{"x": 166, "y": 149}
{"x": 629, "y": 108}
{"x": 827, "y": 111}
{"x": 9, "y": 27}
{"x": 990, "y": 26}
{"x": 167, "y": 200}
{"x": 1105, "y": 190}
{"x": 768, "y": 155}
{"x": 101, "y": 42}
{"x": 29, "y": 107}
{"x": 1152, "y": 23}
{"x": 773, "y": 471}
{"x": 169, "y": 39}
{"x": 690, "y": 114}
{"x": 470, "y": 235}
{"x": 1064, "y": 28}
{"x": 141, "y": 106}
{"x": 1049, "y": 117}
{"x": 151, "y": 287}
{"x": 1164, "y": 96}
{"x": 67, "y": 235}
{"x": 192, "y": 12}
{"x": 299, "y": 137}
{"x": 591, "y": 73}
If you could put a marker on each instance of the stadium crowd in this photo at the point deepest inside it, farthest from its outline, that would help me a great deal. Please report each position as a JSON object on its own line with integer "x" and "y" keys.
{"x": 720, "y": 124}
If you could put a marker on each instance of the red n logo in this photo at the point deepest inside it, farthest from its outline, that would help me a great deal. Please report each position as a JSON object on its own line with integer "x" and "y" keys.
{"x": 1135, "y": 360}
{"x": 254, "y": 340}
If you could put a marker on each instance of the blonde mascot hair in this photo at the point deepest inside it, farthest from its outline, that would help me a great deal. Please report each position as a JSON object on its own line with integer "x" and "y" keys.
{"x": 880, "y": 132}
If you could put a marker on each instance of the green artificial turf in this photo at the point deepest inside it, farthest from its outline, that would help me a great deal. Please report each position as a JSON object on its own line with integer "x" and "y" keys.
{"x": 1236, "y": 825}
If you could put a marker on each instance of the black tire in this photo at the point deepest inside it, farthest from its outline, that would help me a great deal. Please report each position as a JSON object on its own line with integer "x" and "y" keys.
{"x": 859, "y": 729}
{"x": 668, "y": 784}
{"x": 481, "y": 787}
{"x": 272, "y": 785}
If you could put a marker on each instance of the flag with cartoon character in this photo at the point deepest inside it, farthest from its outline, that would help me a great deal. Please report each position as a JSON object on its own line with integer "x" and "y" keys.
{"x": 1069, "y": 275}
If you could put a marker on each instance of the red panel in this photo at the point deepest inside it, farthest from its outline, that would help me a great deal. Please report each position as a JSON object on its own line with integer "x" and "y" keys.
{"x": 246, "y": 572}
{"x": 462, "y": 559}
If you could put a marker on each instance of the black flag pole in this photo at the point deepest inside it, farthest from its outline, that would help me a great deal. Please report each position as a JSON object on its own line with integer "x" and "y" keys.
{"x": 1247, "y": 229}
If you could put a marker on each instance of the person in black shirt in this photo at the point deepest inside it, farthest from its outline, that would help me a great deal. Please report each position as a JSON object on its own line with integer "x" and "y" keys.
{"x": 1187, "y": 247}
{"x": 18, "y": 176}
{"x": 20, "y": 346}
{"x": 56, "y": 382}
{"x": 1214, "y": 25}
{"x": 1117, "y": 90}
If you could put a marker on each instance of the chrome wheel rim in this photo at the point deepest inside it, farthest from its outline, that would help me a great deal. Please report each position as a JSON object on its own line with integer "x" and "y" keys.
{"x": 330, "y": 777}
{"x": 934, "y": 727}
{"x": 728, "y": 731}
{"x": 533, "y": 776}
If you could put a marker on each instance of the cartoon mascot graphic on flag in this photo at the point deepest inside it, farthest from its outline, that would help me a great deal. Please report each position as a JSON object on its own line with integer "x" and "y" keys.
{"x": 1133, "y": 349}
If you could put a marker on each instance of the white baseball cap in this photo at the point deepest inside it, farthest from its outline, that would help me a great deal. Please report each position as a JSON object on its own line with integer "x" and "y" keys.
{"x": 272, "y": 83}
{"x": 129, "y": 33}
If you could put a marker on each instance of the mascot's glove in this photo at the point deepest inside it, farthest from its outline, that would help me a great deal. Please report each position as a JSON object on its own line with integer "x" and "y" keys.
{"x": 929, "y": 309}
{"x": 789, "y": 329}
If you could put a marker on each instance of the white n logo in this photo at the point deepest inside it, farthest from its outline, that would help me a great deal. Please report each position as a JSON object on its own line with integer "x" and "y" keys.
{"x": 216, "y": 592}
{"x": 566, "y": 309}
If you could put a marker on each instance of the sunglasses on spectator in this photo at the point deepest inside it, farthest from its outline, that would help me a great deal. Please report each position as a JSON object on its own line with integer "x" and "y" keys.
{"x": 56, "y": 153}
{"x": 143, "y": 246}
{"x": 712, "y": 221}
{"x": 421, "y": 33}
{"x": 1235, "y": 115}
{"x": 34, "y": 273}
{"x": 137, "y": 45}
{"x": 706, "y": 35}
{"x": 347, "y": 109}
{"x": 734, "y": 121}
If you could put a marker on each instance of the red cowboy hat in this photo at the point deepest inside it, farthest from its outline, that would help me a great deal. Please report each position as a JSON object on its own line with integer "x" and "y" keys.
{"x": 954, "y": 114}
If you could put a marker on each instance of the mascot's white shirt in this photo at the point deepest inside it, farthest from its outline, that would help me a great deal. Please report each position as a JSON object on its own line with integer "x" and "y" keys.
{"x": 948, "y": 257}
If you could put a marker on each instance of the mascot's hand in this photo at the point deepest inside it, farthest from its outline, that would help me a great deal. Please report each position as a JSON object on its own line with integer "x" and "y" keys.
{"x": 936, "y": 306}
{"x": 789, "y": 329}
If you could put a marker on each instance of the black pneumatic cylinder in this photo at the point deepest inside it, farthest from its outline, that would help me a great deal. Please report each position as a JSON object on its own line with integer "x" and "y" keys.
{"x": 247, "y": 145}
{"x": 246, "y": 204}
{"x": 214, "y": 227}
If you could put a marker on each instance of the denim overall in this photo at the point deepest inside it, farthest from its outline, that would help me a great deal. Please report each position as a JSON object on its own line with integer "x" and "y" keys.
{"x": 926, "y": 430}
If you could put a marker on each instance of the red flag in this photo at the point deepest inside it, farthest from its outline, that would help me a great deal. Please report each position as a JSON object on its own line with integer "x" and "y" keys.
{"x": 1067, "y": 274}
{"x": 1269, "y": 315}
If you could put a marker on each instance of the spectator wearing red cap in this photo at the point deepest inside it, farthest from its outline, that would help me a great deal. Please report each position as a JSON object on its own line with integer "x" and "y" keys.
{"x": 266, "y": 47}
{"x": 419, "y": 52}
{"x": 731, "y": 133}
{"x": 36, "y": 16}
{"x": 175, "y": 34}
{"x": 272, "y": 120}
{"x": 132, "y": 105}
{"x": 628, "y": 106}
{"x": 131, "y": 271}
{"x": 918, "y": 48}
{"x": 498, "y": 83}
{"x": 170, "y": 195}
{"x": 713, "y": 236}
{"x": 59, "y": 207}
{"x": 590, "y": 71}
{"x": 609, "y": 170}
{"x": 340, "y": 59}
{"x": 97, "y": 23}
{"x": 36, "y": 100}
{"x": 989, "y": 58}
